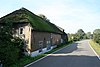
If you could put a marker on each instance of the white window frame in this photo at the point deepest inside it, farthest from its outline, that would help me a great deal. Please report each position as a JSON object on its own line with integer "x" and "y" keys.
{"x": 20, "y": 30}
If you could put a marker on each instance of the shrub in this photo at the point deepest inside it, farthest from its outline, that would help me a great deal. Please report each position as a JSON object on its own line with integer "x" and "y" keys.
{"x": 96, "y": 36}
{"x": 10, "y": 47}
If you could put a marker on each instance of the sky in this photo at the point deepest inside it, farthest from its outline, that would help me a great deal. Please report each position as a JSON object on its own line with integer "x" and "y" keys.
{"x": 70, "y": 15}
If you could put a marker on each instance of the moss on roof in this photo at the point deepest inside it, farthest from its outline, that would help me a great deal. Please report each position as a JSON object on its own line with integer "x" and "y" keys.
{"x": 38, "y": 24}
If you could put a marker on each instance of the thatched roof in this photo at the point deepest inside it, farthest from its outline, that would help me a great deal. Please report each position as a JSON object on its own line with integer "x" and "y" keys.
{"x": 39, "y": 24}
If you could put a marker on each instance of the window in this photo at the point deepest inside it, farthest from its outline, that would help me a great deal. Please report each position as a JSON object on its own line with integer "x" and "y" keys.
{"x": 21, "y": 31}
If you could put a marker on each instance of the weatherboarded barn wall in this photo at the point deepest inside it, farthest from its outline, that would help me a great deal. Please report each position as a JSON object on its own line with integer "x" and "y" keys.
{"x": 39, "y": 40}
{"x": 44, "y": 40}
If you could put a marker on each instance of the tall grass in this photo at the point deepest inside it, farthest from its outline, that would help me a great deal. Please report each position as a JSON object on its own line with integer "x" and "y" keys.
{"x": 95, "y": 46}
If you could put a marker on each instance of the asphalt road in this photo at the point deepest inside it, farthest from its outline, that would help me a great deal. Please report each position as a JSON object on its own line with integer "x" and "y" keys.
{"x": 78, "y": 54}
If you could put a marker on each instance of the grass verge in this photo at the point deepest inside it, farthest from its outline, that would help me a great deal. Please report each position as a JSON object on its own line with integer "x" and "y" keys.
{"x": 95, "y": 46}
{"x": 27, "y": 59}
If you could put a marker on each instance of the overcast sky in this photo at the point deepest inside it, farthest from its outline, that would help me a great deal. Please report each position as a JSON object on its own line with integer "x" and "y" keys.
{"x": 71, "y": 15}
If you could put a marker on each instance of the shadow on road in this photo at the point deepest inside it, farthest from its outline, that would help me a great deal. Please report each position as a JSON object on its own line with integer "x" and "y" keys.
{"x": 66, "y": 58}
{"x": 69, "y": 49}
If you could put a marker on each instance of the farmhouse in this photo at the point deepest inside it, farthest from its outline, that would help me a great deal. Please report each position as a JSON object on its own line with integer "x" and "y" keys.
{"x": 39, "y": 35}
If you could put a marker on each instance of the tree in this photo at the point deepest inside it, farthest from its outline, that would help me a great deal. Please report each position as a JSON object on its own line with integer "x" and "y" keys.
{"x": 69, "y": 37}
{"x": 96, "y": 31}
{"x": 43, "y": 16}
{"x": 81, "y": 34}
{"x": 72, "y": 37}
{"x": 9, "y": 47}
{"x": 96, "y": 35}
{"x": 88, "y": 34}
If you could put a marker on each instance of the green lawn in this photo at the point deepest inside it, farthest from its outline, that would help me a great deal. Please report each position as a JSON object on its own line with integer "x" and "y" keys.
{"x": 95, "y": 46}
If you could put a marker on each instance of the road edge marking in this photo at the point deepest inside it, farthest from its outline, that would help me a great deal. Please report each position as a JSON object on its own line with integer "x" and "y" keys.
{"x": 94, "y": 51}
{"x": 45, "y": 56}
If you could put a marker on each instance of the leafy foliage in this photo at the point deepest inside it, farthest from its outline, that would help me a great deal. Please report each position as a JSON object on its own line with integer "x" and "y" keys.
{"x": 88, "y": 34}
{"x": 9, "y": 46}
{"x": 77, "y": 36}
{"x": 81, "y": 34}
{"x": 96, "y": 35}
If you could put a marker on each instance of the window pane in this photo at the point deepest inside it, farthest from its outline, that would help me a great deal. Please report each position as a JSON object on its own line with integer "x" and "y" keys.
{"x": 21, "y": 30}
